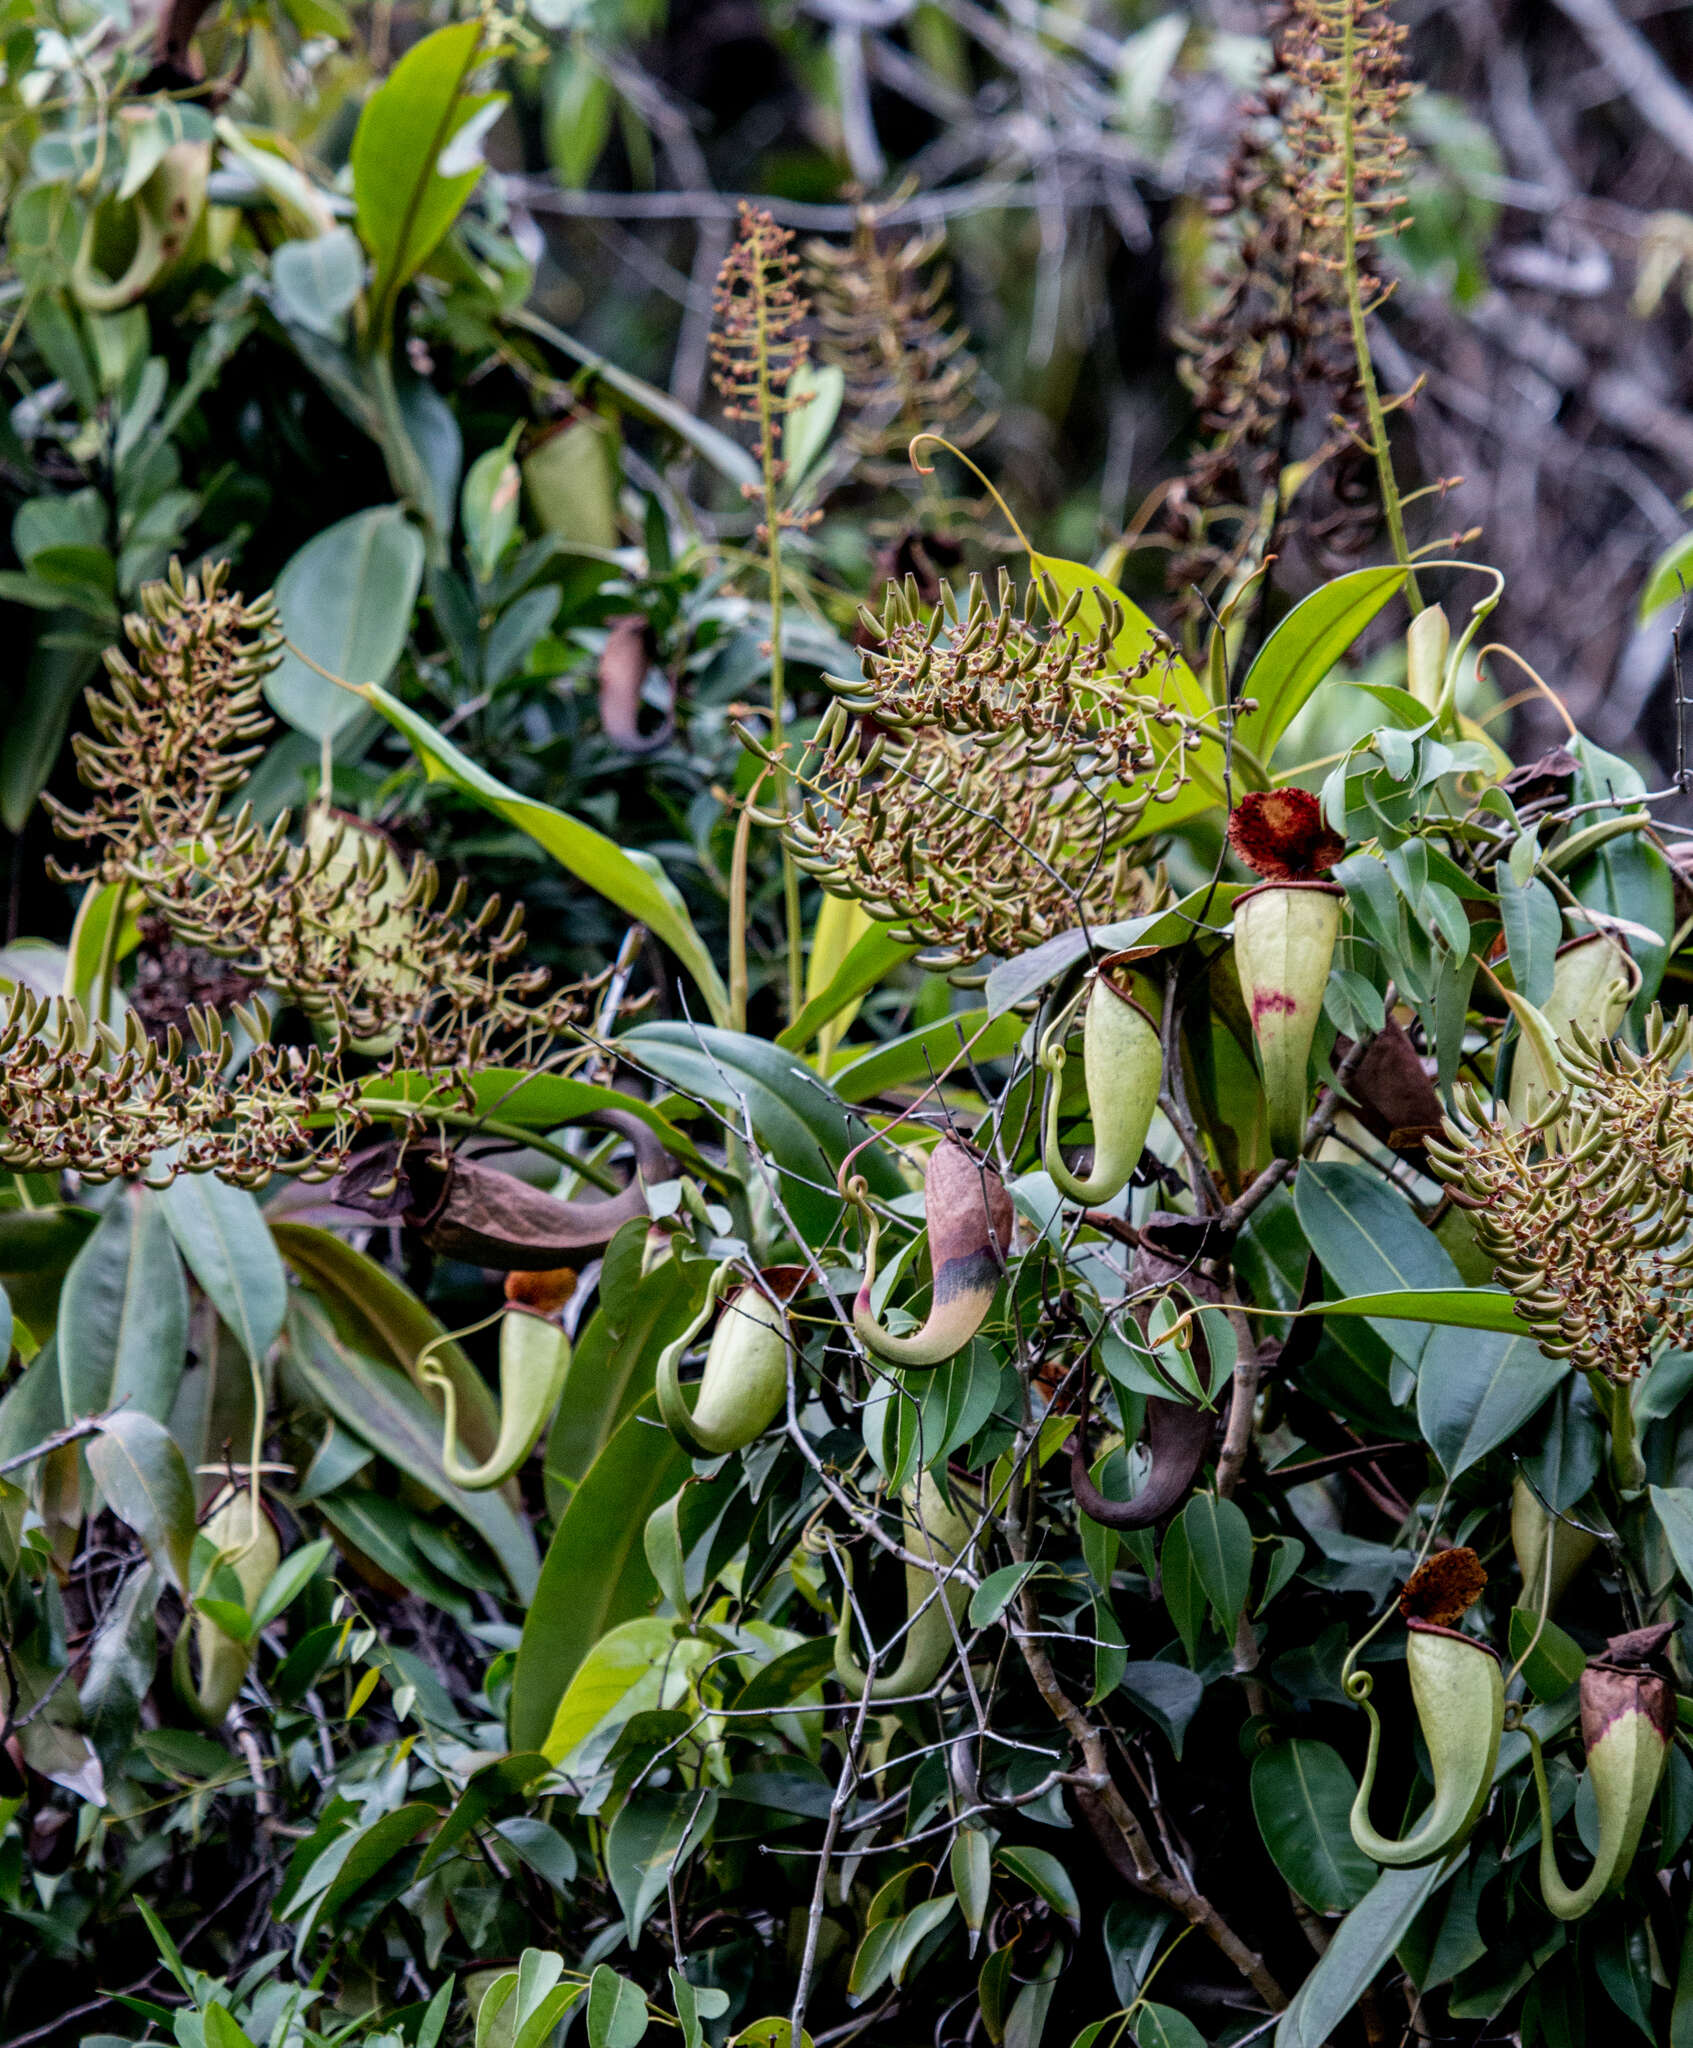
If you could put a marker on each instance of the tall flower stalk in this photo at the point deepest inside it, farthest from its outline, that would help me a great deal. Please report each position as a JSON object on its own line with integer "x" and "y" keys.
{"x": 1349, "y": 53}
{"x": 757, "y": 346}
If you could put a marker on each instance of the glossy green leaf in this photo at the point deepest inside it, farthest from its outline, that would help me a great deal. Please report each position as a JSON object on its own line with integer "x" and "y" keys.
{"x": 1045, "y": 1876}
{"x": 317, "y": 280}
{"x": 870, "y": 961}
{"x": 1670, "y": 578}
{"x": 800, "y": 1125}
{"x": 1219, "y": 1541}
{"x": 92, "y": 935}
{"x": 392, "y": 1415}
{"x": 409, "y": 184}
{"x": 971, "y": 1865}
{"x": 345, "y": 599}
{"x": 221, "y": 1232}
{"x": 595, "y": 1574}
{"x": 1533, "y": 931}
{"x": 1161, "y": 2026}
{"x": 1362, "y": 1945}
{"x": 1184, "y": 1594}
{"x": 123, "y": 1321}
{"x": 137, "y": 1466}
{"x": 929, "y": 1052}
{"x": 652, "y": 1837}
{"x": 1673, "y": 1507}
{"x": 534, "y": 1101}
{"x": 1304, "y": 648}
{"x": 384, "y": 1532}
{"x": 774, "y": 2032}
{"x": 613, "y": 1366}
{"x": 54, "y": 678}
{"x": 814, "y": 401}
{"x": 634, "y": 881}
{"x": 1463, "y": 1308}
{"x": 1475, "y": 1393}
{"x": 290, "y": 1581}
{"x": 1370, "y": 1240}
{"x": 1556, "y": 1661}
{"x": 1302, "y": 1797}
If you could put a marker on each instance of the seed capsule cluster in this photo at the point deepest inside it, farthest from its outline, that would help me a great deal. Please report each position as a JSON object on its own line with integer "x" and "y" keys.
{"x": 337, "y": 926}
{"x": 999, "y": 668}
{"x": 992, "y": 795}
{"x": 182, "y": 725}
{"x": 77, "y": 1096}
{"x": 352, "y": 938}
{"x": 1584, "y": 1209}
{"x": 881, "y": 305}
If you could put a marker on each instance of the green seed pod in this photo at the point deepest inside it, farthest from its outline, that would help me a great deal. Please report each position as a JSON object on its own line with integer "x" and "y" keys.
{"x": 1627, "y": 1726}
{"x": 1284, "y": 940}
{"x": 1459, "y": 1694}
{"x": 222, "y": 1659}
{"x": 969, "y": 1218}
{"x": 939, "y": 1532}
{"x": 745, "y": 1381}
{"x": 534, "y": 1359}
{"x": 1532, "y": 1529}
{"x": 1123, "y": 1065}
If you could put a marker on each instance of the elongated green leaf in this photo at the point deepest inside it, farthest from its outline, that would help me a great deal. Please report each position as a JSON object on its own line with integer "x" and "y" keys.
{"x": 634, "y": 881}
{"x": 1533, "y": 929}
{"x": 37, "y": 1249}
{"x": 378, "y": 1314}
{"x": 383, "y": 1532}
{"x": 1219, "y": 1540}
{"x": 221, "y": 1233}
{"x": 1046, "y": 1877}
{"x": 649, "y": 1841}
{"x": 617, "y": 2013}
{"x": 927, "y": 1053}
{"x": 1302, "y": 1800}
{"x": 123, "y": 1323}
{"x": 1628, "y": 877}
{"x": 1362, "y": 1945}
{"x": 383, "y": 1407}
{"x": 536, "y": 1102}
{"x": 1474, "y": 1393}
{"x": 871, "y": 960}
{"x": 1462, "y": 1308}
{"x": 1370, "y": 1240}
{"x": 727, "y": 457}
{"x": 91, "y": 935}
{"x": 346, "y": 599}
{"x": 1557, "y": 1659}
{"x": 408, "y": 187}
{"x": 137, "y": 1466}
{"x": 349, "y": 1864}
{"x": 1304, "y": 648}
{"x": 595, "y": 1574}
{"x": 799, "y": 1123}
{"x": 1670, "y": 578}
{"x": 493, "y": 1784}
{"x": 1673, "y": 1507}
{"x": 1184, "y": 1596}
